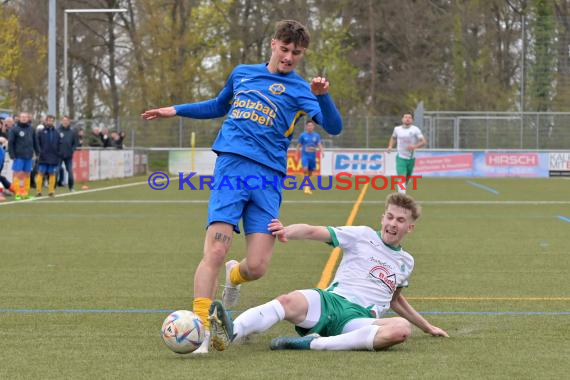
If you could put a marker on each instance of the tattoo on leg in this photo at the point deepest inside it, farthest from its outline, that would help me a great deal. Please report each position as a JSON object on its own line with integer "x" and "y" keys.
{"x": 223, "y": 238}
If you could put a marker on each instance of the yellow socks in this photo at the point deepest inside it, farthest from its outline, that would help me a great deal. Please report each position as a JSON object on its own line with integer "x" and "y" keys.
{"x": 27, "y": 184}
{"x": 16, "y": 184}
{"x": 201, "y": 307}
{"x": 236, "y": 277}
{"x": 51, "y": 184}
{"x": 39, "y": 183}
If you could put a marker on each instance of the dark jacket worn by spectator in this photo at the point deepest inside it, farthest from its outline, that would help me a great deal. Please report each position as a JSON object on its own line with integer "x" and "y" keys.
{"x": 117, "y": 139}
{"x": 105, "y": 139}
{"x": 48, "y": 145}
{"x": 69, "y": 142}
{"x": 94, "y": 140}
{"x": 21, "y": 142}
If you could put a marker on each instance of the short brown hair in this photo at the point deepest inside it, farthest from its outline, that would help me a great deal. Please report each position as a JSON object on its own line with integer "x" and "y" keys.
{"x": 292, "y": 31}
{"x": 406, "y": 202}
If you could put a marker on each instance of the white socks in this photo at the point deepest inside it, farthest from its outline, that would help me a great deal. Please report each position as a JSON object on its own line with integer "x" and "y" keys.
{"x": 400, "y": 190}
{"x": 258, "y": 319}
{"x": 261, "y": 318}
{"x": 361, "y": 339}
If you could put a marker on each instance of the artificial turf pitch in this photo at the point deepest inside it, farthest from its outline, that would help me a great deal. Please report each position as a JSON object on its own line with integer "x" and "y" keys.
{"x": 87, "y": 279}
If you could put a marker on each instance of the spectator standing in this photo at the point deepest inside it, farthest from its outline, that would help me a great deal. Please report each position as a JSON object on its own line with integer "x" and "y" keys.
{"x": 69, "y": 142}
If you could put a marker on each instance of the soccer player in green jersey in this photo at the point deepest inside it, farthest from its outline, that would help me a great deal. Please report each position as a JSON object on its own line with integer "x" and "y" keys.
{"x": 408, "y": 138}
{"x": 349, "y": 314}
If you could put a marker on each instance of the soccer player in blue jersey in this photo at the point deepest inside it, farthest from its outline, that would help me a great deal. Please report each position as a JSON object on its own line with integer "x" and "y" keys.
{"x": 21, "y": 147}
{"x": 48, "y": 143}
{"x": 309, "y": 142}
{"x": 262, "y": 104}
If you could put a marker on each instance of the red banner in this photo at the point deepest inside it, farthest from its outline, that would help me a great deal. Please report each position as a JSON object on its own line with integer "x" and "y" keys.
{"x": 81, "y": 165}
{"x": 294, "y": 165}
{"x": 443, "y": 163}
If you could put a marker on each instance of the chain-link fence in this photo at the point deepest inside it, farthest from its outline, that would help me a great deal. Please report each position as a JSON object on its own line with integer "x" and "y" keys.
{"x": 500, "y": 130}
{"x": 444, "y": 130}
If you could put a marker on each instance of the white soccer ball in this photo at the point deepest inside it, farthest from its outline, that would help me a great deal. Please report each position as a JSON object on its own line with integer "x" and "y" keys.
{"x": 183, "y": 331}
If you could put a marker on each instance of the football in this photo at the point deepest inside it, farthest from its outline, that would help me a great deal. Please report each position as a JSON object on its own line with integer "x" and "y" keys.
{"x": 182, "y": 331}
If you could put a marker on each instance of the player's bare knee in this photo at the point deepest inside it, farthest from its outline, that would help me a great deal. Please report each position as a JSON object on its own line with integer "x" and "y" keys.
{"x": 215, "y": 254}
{"x": 294, "y": 305}
{"x": 256, "y": 269}
{"x": 287, "y": 301}
{"x": 400, "y": 331}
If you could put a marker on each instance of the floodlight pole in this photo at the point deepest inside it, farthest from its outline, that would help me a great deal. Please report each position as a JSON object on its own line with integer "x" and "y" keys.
{"x": 68, "y": 11}
{"x": 51, "y": 58}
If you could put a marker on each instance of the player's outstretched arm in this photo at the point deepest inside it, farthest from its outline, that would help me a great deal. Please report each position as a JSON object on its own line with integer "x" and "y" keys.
{"x": 401, "y": 307}
{"x": 329, "y": 118}
{"x": 209, "y": 109}
{"x": 158, "y": 113}
{"x": 299, "y": 232}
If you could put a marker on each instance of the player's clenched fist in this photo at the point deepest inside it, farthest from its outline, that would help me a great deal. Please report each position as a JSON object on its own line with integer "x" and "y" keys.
{"x": 319, "y": 86}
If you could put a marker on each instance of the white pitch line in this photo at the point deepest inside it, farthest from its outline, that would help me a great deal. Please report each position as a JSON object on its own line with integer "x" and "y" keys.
{"x": 205, "y": 201}
{"x": 126, "y": 201}
{"x": 495, "y": 202}
{"x": 51, "y": 200}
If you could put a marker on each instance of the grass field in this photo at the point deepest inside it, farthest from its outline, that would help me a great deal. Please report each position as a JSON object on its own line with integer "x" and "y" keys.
{"x": 87, "y": 279}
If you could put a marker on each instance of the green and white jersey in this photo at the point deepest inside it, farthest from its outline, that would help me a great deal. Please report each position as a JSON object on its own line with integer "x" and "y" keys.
{"x": 406, "y": 137}
{"x": 370, "y": 270}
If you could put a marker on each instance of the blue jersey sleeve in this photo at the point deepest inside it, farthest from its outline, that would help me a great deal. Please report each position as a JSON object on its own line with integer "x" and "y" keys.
{"x": 329, "y": 117}
{"x": 323, "y": 111}
{"x": 209, "y": 109}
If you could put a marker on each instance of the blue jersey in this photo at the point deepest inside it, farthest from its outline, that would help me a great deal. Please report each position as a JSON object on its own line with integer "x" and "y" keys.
{"x": 264, "y": 110}
{"x": 309, "y": 143}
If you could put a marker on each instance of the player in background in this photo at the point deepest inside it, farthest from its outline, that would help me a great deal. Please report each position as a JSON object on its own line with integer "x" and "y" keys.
{"x": 348, "y": 314}
{"x": 409, "y": 138}
{"x": 21, "y": 147}
{"x": 262, "y": 104}
{"x": 48, "y": 145}
{"x": 308, "y": 143}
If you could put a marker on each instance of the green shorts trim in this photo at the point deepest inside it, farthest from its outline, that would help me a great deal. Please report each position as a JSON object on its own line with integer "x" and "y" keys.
{"x": 336, "y": 312}
{"x": 404, "y": 166}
